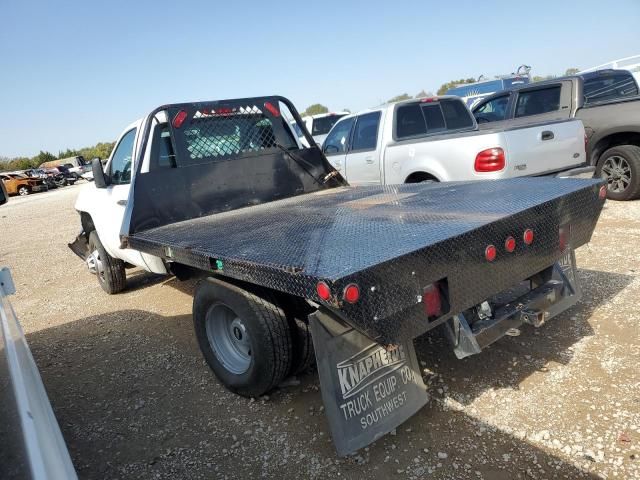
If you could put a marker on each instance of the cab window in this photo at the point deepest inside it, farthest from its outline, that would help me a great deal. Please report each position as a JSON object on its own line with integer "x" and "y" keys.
{"x": 338, "y": 139}
{"x": 536, "y": 102}
{"x": 494, "y": 110}
{"x": 365, "y": 135}
{"x": 120, "y": 168}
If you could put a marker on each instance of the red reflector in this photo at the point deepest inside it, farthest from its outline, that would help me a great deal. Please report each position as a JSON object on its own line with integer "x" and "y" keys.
{"x": 351, "y": 293}
{"x": 323, "y": 290}
{"x": 272, "y": 109}
{"x": 510, "y": 244}
{"x": 180, "y": 117}
{"x": 603, "y": 192}
{"x": 490, "y": 160}
{"x": 490, "y": 253}
{"x": 223, "y": 111}
{"x": 527, "y": 236}
{"x": 432, "y": 301}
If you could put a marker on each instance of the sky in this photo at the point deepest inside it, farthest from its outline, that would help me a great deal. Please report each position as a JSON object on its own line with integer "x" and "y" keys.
{"x": 73, "y": 73}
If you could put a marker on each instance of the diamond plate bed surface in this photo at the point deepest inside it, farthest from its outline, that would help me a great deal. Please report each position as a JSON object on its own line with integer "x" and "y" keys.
{"x": 396, "y": 239}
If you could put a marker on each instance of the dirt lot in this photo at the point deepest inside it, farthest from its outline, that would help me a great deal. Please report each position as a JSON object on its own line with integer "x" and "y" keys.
{"x": 135, "y": 399}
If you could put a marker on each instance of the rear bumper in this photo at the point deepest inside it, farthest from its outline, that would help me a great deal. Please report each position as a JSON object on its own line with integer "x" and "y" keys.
{"x": 559, "y": 292}
{"x": 580, "y": 172}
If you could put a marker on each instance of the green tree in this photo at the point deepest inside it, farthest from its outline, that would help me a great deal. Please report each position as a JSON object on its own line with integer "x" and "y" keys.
{"x": 454, "y": 83}
{"x": 42, "y": 157}
{"x": 572, "y": 71}
{"x": 399, "y": 98}
{"x": 315, "y": 109}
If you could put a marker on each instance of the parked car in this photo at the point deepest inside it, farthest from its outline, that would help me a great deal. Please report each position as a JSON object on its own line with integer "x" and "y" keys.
{"x": 437, "y": 139}
{"x": 53, "y": 180}
{"x": 77, "y": 165}
{"x": 17, "y": 184}
{"x": 608, "y": 104}
{"x": 285, "y": 246}
{"x": 319, "y": 125}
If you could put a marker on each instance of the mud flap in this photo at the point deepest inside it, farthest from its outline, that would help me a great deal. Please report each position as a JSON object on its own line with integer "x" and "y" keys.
{"x": 367, "y": 390}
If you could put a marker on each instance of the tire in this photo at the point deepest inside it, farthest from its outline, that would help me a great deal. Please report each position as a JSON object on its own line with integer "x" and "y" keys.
{"x": 244, "y": 336}
{"x": 616, "y": 165}
{"x": 24, "y": 190}
{"x": 303, "y": 354}
{"x": 110, "y": 271}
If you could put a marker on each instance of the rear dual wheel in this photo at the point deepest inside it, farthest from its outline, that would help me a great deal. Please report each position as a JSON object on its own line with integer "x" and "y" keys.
{"x": 246, "y": 337}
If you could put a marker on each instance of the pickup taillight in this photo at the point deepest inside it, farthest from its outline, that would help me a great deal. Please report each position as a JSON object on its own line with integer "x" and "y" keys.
{"x": 490, "y": 160}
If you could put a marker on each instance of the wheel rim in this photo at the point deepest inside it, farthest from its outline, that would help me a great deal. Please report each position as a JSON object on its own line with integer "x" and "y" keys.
{"x": 229, "y": 338}
{"x": 23, "y": 191}
{"x": 617, "y": 172}
{"x": 95, "y": 265}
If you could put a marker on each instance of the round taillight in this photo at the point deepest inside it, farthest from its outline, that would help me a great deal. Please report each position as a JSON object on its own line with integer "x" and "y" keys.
{"x": 323, "y": 290}
{"x": 527, "y": 236}
{"x": 603, "y": 192}
{"x": 510, "y": 244}
{"x": 351, "y": 293}
{"x": 490, "y": 253}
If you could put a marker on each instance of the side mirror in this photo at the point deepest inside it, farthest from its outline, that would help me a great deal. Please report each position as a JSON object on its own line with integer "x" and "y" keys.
{"x": 3, "y": 194}
{"x": 331, "y": 149}
{"x": 99, "y": 178}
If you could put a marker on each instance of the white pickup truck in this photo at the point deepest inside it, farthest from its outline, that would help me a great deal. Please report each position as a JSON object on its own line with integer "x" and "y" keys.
{"x": 437, "y": 139}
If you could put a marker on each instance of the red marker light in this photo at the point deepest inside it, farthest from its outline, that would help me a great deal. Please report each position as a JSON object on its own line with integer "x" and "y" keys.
{"x": 323, "y": 290}
{"x": 527, "y": 236}
{"x": 272, "y": 108}
{"x": 490, "y": 253}
{"x": 351, "y": 293}
{"x": 510, "y": 244}
{"x": 432, "y": 301}
{"x": 429, "y": 100}
{"x": 603, "y": 192}
{"x": 223, "y": 111}
{"x": 180, "y": 117}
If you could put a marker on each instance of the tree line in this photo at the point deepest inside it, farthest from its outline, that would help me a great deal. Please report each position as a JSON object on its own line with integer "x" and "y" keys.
{"x": 100, "y": 150}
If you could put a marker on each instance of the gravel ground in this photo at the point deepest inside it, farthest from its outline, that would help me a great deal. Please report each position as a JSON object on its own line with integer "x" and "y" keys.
{"x": 135, "y": 399}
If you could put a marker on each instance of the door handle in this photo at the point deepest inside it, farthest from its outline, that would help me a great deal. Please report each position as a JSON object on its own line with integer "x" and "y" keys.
{"x": 369, "y": 160}
{"x": 122, "y": 203}
{"x": 547, "y": 135}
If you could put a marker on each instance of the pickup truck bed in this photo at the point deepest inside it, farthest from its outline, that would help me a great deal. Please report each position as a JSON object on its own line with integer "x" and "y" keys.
{"x": 390, "y": 240}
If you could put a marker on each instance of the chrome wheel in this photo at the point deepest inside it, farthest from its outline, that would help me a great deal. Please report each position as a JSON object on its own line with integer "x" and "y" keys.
{"x": 617, "y": 172}
{"x": 23, "y": 191}
{"x": 95, "y": 265}
{"x": 228, "y": 338}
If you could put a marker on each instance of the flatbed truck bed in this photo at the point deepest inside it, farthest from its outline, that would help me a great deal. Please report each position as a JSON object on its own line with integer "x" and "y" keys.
{"x": 391, "y": 241}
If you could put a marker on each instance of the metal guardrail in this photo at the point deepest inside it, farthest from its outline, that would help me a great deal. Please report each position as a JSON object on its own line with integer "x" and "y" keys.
{"x": 34, "y": 445}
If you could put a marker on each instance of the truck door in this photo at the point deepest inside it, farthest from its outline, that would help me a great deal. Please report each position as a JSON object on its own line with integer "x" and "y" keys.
{"x": 112, "y": 201}
{"x": 362, "y": 163}
{"x": 336, "y": 144}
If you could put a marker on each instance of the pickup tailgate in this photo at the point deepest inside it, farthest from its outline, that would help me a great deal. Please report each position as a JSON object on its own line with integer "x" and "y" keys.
{"x": 392, "y": 242}
{"x": 545, "y": 148}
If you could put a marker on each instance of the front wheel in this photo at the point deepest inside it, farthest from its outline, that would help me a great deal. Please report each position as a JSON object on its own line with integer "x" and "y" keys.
{"x": 110, "y": 271}
{"x": 620, "y": 168}
{"x": 244, "y": 336}
{"x": 24, "y": 191}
